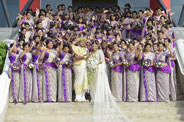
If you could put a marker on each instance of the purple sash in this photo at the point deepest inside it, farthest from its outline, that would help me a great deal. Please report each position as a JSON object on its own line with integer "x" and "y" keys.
{"x": 50, "y": 64}
{"x": 165, "y": 69}
{"x": 118, "y": 69}
{"x": 150, "y": 69}
{"x": 134, "y": 67}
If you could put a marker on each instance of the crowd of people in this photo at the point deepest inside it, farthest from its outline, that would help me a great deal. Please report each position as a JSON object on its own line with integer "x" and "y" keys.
{"x": 138, "y": 48}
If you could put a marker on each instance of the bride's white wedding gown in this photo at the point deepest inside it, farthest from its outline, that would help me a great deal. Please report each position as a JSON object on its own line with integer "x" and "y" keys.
{"x": 105, "y": 107}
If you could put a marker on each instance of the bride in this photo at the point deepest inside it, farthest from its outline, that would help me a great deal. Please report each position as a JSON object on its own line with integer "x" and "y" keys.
{"x": 105, "y": 107}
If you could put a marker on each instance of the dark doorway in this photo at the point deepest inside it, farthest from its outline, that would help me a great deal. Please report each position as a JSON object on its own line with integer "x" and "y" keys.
{"x": 94, "y": 3}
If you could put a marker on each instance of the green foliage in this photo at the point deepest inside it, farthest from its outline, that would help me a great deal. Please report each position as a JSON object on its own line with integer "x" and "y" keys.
{"x": 3, "y": 51}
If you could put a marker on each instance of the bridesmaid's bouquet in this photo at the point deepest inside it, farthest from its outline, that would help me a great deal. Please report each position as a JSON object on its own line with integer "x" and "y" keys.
{"x": 31, "y": 65}
{"x": 57, "y": 61}
{"x": 125, "y": 62}
{"x": 138, "y": 26}
{"x": 159, "y": 64}
{"x": 147, "y": 63}
{"x": 111, "y": 63}
{"x": 15, "y": 66}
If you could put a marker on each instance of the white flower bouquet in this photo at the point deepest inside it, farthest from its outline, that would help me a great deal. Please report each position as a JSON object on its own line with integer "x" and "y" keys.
{"x": 111, "y": 63}
{"x": 159, "y": 64}
{"x": 31, "y": 66}
{"x": 15, "y": 66}
{"x": 125, "y": 62}
{"x": 147, "y": 63}
{"x": 92, "y": 65}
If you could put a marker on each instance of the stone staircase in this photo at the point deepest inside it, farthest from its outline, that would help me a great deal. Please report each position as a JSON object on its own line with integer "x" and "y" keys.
{"x": 82, "y": 112}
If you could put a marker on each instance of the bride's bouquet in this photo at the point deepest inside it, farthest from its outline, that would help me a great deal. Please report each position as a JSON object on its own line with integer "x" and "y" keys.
{"x": 92, "y": 65}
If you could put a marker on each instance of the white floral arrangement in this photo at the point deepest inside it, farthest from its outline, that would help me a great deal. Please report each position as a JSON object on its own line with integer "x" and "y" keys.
{"x": 111, "y": 63}
{"x": 31, "y": 66}
{"x": 66, "y": 63}
{"x": 125, "y": 62}
{"x": 92, "y": 63}
{"x": 159, "y": 64}
{"x": 147, "y": 63}
{"x": 15, "y": 66}
{"x": 57, "y": 61}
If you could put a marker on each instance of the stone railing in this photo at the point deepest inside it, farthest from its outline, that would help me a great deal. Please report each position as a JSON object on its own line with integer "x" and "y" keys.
{"x": 180, "y": 60}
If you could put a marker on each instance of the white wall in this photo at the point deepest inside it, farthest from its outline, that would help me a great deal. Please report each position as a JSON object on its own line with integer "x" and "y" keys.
{"x": 4, "y": 93}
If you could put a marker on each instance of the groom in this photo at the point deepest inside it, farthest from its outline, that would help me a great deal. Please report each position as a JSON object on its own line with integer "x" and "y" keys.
{"x": 80, "y": 69}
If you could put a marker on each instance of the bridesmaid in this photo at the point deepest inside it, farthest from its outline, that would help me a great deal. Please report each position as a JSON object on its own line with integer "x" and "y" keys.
{"x": 65, "y": 74}
{"x": 25, "y": 91}
{"x": 49, "y": 76}
{"x": 171, "y": 60}
{"x": 163, "y": 72}
{"x": 14, "y": 72}
{"x": 37, "y": 74}
{"x": 117, "y": 74}
{"x": 132, "y": 74}
{"x": 148, "y": 84}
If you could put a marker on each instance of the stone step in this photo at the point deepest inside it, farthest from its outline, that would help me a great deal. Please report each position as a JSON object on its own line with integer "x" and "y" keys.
{"x": 68, "y": 115}
{"x": 88, "y": 118}
{"x": 82, "y": 112}
{"x": 87, "y": 104}
{"x": 148, "y": 120}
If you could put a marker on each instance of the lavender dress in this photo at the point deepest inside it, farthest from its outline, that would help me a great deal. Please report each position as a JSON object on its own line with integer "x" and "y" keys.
{"x": 25, "y": 90}
{"x": 15, "y": 77}
{"x": 132, "y": 78}
{"x": 162, "y": 77}
{"x": 117, "y": 77}
{"x": 37, "y": 79}
{"x": 148, "y": 83}
{"x": 50, "y": 77}
{"x": 65, "y": 78}
{"x": 172, "y": 83}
